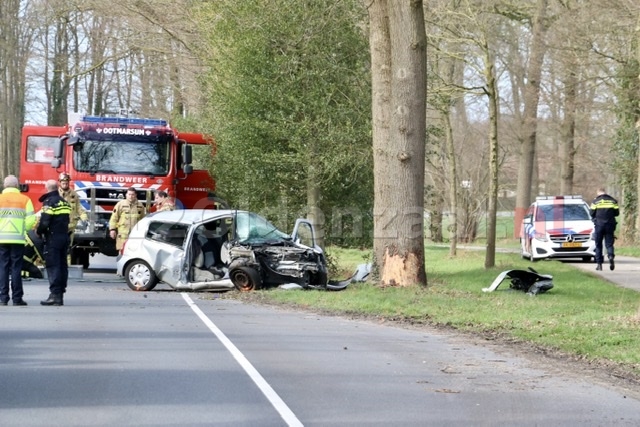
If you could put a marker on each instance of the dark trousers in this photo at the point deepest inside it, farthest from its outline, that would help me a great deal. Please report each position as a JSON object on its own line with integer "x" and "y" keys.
{"x": 11, "y": 267}
{"x": 604, "y": 232}
{"x": 55, "y": 260}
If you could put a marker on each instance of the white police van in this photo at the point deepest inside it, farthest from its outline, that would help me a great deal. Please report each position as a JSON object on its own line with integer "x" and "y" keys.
{"x": 557, "y": 227}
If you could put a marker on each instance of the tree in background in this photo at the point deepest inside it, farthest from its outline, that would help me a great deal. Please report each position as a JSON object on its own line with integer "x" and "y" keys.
{"x": 288, "y": 100}
{"x": 15, "y": 43}
{"x": 536, "y": 18}
{"x": 95, "y": 58}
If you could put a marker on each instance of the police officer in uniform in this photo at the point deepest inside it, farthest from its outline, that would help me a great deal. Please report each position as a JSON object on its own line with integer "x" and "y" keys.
{"x": 604, "y": 209}
{"x": 126, "y": 213}
{"x": 77, "y": 211}
{"x": 54, "y": 229}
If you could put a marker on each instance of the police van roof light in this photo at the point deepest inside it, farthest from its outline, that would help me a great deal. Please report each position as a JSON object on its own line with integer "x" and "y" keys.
{"x": 573, "y": 196}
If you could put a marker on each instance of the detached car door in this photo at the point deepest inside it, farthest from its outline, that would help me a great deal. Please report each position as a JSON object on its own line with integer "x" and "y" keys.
{"x": 304, "y": 233}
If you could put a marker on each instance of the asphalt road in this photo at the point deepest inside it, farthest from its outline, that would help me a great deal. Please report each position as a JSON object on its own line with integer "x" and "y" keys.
{"x": 625, "y": 274}
{"x": 114, "y": 357}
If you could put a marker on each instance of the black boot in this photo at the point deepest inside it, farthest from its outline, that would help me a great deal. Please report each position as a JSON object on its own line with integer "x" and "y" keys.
{"x": 54, "y": 299}
{"x": 599, "y": 267}
{"x": 612, "y": 264}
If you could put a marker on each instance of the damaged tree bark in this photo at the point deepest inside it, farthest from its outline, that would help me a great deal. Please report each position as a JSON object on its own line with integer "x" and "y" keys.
{"x": 398, "y": 43}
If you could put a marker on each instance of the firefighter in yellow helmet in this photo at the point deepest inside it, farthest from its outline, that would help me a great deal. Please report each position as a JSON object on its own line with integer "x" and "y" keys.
{"x": 77, "y": 211}
{"x": 126, "y": 213}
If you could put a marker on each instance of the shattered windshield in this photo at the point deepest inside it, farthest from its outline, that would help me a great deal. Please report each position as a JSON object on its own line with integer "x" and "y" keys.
{"x": 252, "y": 228}
{"x": 125, "y": 157}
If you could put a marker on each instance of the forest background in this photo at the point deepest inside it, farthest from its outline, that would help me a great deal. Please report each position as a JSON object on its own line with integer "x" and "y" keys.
{"x": 525, "y": 98}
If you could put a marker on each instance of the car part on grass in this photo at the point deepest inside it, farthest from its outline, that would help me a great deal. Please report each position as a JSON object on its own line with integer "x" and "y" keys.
{"x": 531, "y": 282}
{"x": 360, "y": 275}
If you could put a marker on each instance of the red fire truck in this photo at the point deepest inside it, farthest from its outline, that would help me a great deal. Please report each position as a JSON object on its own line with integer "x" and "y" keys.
{"x": 104, "y": 156}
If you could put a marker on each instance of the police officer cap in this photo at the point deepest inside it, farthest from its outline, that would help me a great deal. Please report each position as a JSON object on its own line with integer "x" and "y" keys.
{"x": 64, "y": 177}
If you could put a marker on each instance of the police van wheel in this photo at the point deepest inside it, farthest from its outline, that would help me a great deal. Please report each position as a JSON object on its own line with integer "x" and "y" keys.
{"x": 140, "y": 277}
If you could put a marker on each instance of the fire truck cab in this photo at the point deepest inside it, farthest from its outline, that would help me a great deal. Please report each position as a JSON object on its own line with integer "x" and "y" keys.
{"x": 104, "y": 156}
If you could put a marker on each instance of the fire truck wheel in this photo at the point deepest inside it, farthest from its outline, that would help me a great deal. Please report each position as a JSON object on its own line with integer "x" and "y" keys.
{"x": 245, "y": 279}
{"x": 139, "y": 276}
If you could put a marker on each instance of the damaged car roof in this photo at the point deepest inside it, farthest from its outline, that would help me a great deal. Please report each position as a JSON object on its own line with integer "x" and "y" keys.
{"x": 192, "y": 216}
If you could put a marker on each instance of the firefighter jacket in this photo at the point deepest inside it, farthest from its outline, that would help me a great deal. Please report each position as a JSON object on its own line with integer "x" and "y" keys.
{"x": 166, "y": 205}
{"x": 604, "y": 210}
{"x": 124, "y": 216}
{"x": 17, "y": 216}
{"x": 77, "y": 211}
{"x": 54, "y": 219}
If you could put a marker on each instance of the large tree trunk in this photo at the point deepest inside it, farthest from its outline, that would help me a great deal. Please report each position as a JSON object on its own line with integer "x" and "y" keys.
{"x": 567, "y": 145}
{"x": 15, "y": 38}
{"x": 453, "y": 183}
{"x": 492, "y": 94}
{"x": 60, "y": 80}
{"x": 529, "y": 126}
{"x": 635, "y": 236}
{"x": 314, "y": 213}
{"x": 380, "y": 46}
{"x": 398, "y": 43}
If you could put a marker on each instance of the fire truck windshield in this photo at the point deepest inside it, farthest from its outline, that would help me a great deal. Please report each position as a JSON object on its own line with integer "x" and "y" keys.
{"x": 125, "y": 157}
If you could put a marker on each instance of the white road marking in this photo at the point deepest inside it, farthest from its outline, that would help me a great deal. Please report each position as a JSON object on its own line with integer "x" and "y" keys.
{"x": 287, "y": 415}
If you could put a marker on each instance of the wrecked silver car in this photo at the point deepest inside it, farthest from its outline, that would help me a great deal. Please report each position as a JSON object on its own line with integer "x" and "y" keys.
{"x": 202, "y": 249}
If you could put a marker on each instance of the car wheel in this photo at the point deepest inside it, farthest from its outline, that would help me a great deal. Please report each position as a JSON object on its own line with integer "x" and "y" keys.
{"x": 140, "y": 277}
{"x": 245, "y": 279}
{"x": 586, "y": 259}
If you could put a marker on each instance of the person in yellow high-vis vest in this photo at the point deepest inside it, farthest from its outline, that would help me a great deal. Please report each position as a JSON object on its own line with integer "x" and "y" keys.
{"x": 17, "y": 217}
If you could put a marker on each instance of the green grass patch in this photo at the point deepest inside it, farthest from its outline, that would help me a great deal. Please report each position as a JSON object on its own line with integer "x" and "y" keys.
{"x": 582, "y": 315}
{"x": 633, "y": 251}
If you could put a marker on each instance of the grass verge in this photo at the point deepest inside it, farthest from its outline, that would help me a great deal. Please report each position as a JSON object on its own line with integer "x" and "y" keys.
{"x": 582, "y": 316}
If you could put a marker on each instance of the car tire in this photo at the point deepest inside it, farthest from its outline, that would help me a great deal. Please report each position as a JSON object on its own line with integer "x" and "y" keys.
{"x": 245, "y": 279}
{"x": 140, "y": 277}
